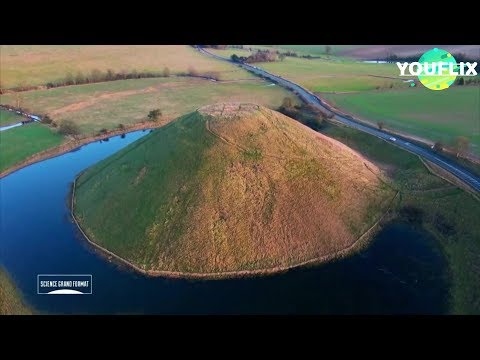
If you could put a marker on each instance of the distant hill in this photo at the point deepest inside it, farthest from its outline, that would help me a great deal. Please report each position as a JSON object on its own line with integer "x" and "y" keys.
{"x": 229, "y": 187}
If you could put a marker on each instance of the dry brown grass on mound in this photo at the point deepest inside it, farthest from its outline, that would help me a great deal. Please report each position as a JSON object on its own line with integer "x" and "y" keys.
{"x": 300, "y": 196}
{"x": 228, "y": 188}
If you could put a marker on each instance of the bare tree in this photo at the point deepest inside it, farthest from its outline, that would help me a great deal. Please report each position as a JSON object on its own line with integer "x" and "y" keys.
{"x": 461, "y": 145}
{"x": 192, "y": 71}
{"x": 79, "y": 78}
{"x": 154, "y": 114}
{"x": 438, "y": 146}
{"x": 18, "y": 99}
{"x": 287, "y": 103}
{"x": 166, "y": 72}
{"x": 380, "y": 125}
{"x": 96, "y": 75}
{"x": 69, "y": 80}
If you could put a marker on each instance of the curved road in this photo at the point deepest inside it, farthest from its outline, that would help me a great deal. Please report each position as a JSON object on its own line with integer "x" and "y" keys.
{"x": 446, "y": 164}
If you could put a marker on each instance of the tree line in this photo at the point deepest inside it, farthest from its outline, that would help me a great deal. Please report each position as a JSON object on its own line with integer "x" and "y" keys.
{"x": 96, "y": 76}
{"x": 392, "y": 57}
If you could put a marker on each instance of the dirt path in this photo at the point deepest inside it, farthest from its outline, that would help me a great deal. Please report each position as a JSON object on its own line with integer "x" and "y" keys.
{"x": 116, "y": 95}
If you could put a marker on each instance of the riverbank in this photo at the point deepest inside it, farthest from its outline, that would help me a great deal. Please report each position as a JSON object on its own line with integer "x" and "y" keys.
{"x": 77, "y": 143}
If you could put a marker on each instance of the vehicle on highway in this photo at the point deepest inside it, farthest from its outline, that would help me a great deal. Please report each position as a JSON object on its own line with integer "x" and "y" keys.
{"x": 391, "y": 138}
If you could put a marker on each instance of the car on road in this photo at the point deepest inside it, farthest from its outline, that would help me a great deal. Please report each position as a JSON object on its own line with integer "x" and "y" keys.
{"x": 391, "y": 138}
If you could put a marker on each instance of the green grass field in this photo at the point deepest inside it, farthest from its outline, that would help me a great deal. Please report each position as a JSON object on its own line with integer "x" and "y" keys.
{"x": 9, "y": 117}
{"x": 105, "y": 105}
{"x": 320, "y": 75}
{"x": 19, "y": 143}
{"x": 38, "y": 64}
{"x": 458, "y": 232}
{"x": 11, "y": 302}
{"x": 434, "y": 115}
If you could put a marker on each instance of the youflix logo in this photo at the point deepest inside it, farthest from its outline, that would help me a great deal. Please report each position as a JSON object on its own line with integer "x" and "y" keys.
{"x": 437, "y": 69}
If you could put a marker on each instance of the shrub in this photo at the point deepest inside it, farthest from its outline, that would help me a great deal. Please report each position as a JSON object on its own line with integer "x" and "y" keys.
{"x": 102, "y": 131}
{"x": 121, "y": 126}
{"x": 153, "y": 115}
{"x": 46, "y": 119}
{"x": 192, "y": 71}
{"x": 68, "y": 127}
{"x": 166, "y": 72}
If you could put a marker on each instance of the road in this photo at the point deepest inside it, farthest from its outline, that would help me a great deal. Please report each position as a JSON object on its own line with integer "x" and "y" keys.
{"x": 430, "y": 155}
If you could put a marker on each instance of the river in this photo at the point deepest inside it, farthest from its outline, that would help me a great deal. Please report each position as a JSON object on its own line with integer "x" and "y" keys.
{"x": 402, "y": 271}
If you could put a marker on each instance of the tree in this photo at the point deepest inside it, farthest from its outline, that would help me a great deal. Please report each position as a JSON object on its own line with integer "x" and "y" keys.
{"x": 380, "y": 125}
{"x": 461, "y": 145}
{"x": 192, "y": 71}
{"x": 46, "y": 119}
{"x": 438, "y": 146}
{"x": 235, "y": 58}
{"x": 80, "y": 78}
{"x": 68, "y": 127}
{"x": 110, "y": 75}
{"x": 287, "y": 103}
{"x": 69, "y": 80}
{"x": 166, "y": 72}
{"x": 328, "y": 49}
{"x": 96, "y": 75}
{"x": 153, "y": 115}
{"x": 18, "y": 100}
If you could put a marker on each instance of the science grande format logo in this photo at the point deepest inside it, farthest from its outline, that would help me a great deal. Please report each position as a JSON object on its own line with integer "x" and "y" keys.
{"x": 437, "y": 69}
{"x": 53, "y": 284}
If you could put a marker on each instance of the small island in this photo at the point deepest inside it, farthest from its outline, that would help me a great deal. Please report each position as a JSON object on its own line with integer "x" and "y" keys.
{"x": 229, "y": 190}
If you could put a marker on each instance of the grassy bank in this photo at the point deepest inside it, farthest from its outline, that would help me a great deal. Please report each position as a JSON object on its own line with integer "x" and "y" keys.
{"x": 38, "y": 64}
{"x": 434, "y": 115}
{"x": 449, "y": 213}
{"x": 11, "y": 302}
{"x": 19, "y": 143}
{"x": 231, "y": 188}
{"x": 9, "y": 117}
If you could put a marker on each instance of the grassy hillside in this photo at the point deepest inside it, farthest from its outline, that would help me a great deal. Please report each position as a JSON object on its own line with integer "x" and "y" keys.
{"x": 19, "y": 143}
{"x": 38, "y": 64}
{"x": 434, "y": 115}
{"x": 10, "y": 300}
{"x": 229, "y": 188}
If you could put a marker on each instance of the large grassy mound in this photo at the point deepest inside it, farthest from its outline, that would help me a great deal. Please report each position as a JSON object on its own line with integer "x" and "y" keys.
{"x": 229, "y": 187}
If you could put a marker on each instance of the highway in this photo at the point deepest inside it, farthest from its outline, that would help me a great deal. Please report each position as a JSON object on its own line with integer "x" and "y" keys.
{"x": 430, "y": 155}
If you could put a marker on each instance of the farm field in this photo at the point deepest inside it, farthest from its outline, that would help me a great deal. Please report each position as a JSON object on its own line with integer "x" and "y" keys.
{"x": 433, "y": 115}
{"x": 21, "y": 142}
{"x": 24, "y": 65}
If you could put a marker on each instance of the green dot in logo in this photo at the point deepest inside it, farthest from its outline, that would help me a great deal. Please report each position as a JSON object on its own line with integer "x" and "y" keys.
{"x": 432, "y": 75}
